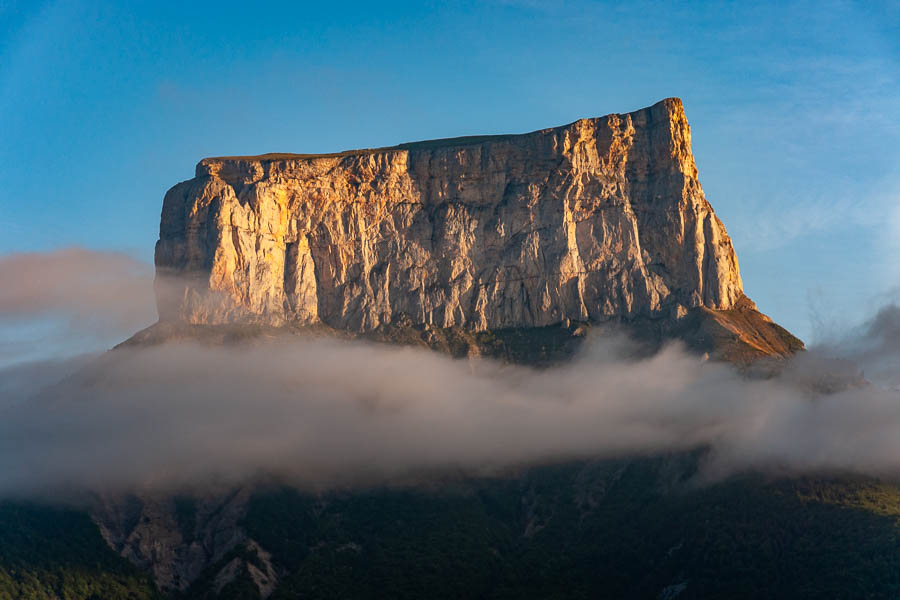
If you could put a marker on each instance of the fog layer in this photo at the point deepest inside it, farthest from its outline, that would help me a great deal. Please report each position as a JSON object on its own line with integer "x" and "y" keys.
{"x": 54, "y": 304}
{"x": 325, "y": 413}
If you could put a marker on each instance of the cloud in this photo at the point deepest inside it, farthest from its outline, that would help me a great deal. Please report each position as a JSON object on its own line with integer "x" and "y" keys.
{"x": 320, "y": 413}
{"x": 874, "y": 345}
{"x": 21, "y": 381}
{"x": 102, "y": 286}
{"x": 73, "y": 299}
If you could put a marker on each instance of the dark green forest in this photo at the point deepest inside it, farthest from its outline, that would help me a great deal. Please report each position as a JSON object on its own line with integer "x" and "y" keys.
{"x": 49, "y": 552}
{"x": 612, "y": 529}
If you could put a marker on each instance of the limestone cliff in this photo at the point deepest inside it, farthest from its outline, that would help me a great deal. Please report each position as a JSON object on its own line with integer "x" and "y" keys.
{"x": 603, "y": 219}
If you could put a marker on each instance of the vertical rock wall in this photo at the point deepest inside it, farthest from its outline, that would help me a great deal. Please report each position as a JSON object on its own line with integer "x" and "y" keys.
{"x": 603, "y": 218}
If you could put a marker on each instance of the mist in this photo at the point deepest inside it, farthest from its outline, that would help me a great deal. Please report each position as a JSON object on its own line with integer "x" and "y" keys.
{"x": 873, "y": 345}
{"x": 323, "y": 413}
{"x": 69, "y": 301}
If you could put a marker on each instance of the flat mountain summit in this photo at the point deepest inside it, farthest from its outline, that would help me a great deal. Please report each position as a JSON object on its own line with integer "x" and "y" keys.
{"x": 466, "y": 241}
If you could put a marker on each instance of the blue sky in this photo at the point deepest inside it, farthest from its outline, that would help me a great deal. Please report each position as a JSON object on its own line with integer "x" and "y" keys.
{"x": 794, "y": 108}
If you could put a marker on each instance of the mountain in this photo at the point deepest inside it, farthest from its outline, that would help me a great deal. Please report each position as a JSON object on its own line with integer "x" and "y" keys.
{"x": 599, "y": 221}
{"x": 508, "y": 246}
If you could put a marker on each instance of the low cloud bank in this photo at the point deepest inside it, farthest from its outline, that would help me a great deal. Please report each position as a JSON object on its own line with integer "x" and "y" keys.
{"x": 106, "y": 288}
{"x": 71, "y": 300}
{"x": 328, "y": 413}
{"x": 874, "y": 346}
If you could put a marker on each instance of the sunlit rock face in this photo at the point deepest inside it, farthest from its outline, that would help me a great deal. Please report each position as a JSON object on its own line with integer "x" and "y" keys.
{"x": 600, "y": 219}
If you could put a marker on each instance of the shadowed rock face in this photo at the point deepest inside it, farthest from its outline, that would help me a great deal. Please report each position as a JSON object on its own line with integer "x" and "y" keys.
{"x": 603, "y": 219}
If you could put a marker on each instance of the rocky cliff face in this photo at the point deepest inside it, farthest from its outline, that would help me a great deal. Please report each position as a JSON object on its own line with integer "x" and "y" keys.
{"x": 601, "y": 218}
{"x": 173, "y": 538}
{"x": 598, "y": 220}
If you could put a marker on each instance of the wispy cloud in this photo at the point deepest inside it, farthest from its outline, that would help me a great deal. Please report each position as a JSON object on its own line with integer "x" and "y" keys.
{"x": 319, "y": 413}
{"x": 56, "y": 299}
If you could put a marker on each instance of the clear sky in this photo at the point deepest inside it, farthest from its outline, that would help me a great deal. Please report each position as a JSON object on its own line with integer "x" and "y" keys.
{"x": 794, "y": 109}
